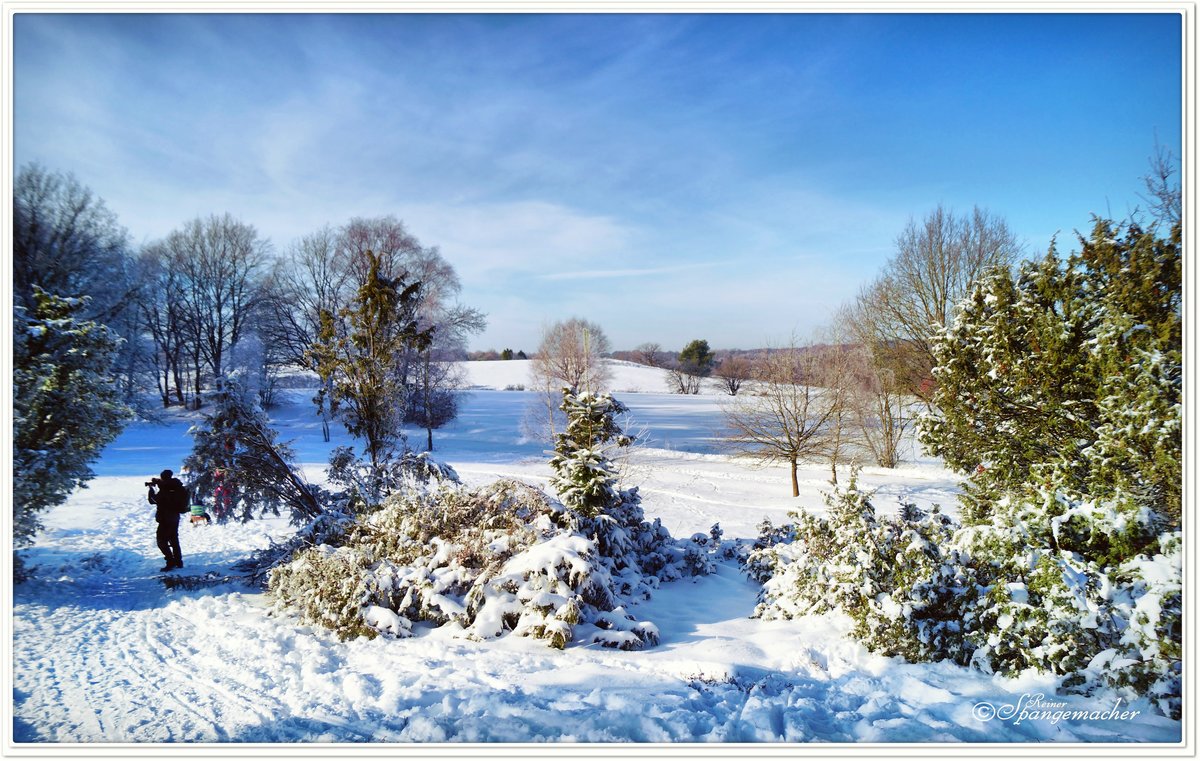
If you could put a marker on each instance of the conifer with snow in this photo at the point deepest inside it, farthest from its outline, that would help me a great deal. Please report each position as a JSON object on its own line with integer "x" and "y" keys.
{"x": 66, "y": 404}
{"x": 238, "y": 467}
{"x": 1068, "y": 376}
{"x": 584, "y": 476}
{"x": 358, "y": 354}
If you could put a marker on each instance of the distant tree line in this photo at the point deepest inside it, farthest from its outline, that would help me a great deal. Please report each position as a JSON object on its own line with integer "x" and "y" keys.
{"x": 491, "y": 355}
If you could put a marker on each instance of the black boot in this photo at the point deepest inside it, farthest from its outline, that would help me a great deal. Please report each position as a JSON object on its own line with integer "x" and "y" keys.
{"x": 167, "y": 567}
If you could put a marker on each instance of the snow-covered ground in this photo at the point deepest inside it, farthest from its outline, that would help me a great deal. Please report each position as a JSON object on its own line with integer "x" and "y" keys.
{"x": 104, "y": 653}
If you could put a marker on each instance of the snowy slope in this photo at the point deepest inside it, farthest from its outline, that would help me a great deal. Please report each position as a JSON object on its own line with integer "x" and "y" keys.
{"x": 102, "y": 652}
{"x": 627, "y": 377}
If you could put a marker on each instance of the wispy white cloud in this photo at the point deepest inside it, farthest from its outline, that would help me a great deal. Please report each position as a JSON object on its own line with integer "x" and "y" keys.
{"x": 625, "y": 273}
{"x": 646, "y": 168}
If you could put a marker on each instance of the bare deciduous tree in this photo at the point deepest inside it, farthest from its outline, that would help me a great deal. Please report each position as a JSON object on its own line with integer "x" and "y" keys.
{"x": 883, "y": 412}
{"x": 836, "y": 373}
{"x": 936, "y": 261}
{"x": 882, "y": 402}
{"x": 1165, "y": 197}
{"x": 163, "y": 317}
{"x": 733, "y": 372}
{"x": 386, "y": 238}
{"x": 682, "y": 382}
{"x": 570, "y": 355}
{"x": 650, "y": 354}
{"x": 789, "y": 418}
{"x": 220, "y": 261}
{"x": 434, "y": 395}
{"x": 68, "y": 243}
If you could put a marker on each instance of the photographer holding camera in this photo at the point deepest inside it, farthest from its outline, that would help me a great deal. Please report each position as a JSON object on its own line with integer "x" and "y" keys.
{"x": 171, "y": 500}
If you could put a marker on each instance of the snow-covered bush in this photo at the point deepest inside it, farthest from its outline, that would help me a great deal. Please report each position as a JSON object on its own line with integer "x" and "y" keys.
{"x": 409, "y": 470}
{"x": 886, "y": 573}
{"x": 1087, "y": 591}
{"x": 413, "y": 472}
{"x": 1149, "y": 657}
{"x": 328, "y": 528}
{"x": 505, "y": 557}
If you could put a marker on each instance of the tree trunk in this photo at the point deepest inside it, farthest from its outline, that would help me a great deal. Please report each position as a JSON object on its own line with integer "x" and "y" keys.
{"x": 177, "y": 376}
{"x": 429, "y": 440}
{"x": 795, "y": 481}
{"x": 196, "y": 387}
{"x": 833, "y": 472}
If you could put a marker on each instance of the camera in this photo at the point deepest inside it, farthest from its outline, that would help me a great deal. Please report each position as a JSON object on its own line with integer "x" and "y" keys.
{"x": 152, "y": 482}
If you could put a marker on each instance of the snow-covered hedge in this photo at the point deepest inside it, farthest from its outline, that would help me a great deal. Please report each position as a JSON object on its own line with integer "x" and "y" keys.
{"x": 502, "y": 558}
{"x": 1087, "y": 591}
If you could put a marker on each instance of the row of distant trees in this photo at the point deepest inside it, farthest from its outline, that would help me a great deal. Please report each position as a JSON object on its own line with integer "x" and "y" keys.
{"x": 213, "y": 295}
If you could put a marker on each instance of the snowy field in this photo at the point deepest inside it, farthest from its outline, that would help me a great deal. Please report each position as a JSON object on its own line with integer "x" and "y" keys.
{"x": 103, "y": 653}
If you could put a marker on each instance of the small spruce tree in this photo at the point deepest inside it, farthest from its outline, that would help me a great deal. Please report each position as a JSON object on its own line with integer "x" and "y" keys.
{"x": 236, "y": 459}
{"x": 584, "y": 474}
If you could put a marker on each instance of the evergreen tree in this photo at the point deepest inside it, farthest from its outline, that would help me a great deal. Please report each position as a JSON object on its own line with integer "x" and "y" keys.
{"x": 696, "y": 358}
{"x": 694, "y": 363}
{"x": 1068, "y": 377}
{"x": 584, "y": 475}
{"x": 236, "y": 459}
{"x": 66, "y": 404}
{"x": 1137, "y": 360}
{"x": 358, "y": 354}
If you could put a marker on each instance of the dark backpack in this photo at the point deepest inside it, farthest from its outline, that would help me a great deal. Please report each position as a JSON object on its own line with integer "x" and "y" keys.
{"x": 174, "y": 496}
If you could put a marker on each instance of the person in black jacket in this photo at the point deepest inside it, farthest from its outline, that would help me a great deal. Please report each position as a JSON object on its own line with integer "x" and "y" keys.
{"x": 171, "y": 501}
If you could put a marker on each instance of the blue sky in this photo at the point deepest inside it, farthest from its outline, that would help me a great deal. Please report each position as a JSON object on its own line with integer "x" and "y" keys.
{"x": 728, "y": 177}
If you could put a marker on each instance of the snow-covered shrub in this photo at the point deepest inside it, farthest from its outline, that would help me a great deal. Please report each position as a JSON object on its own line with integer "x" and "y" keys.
{"x": 887, "y": 573}
{"x": 919, "y": 589}
{"x": 328, "y": 586}
{"x": 1088, "y": 591}
{"x": 1148, "y": 658}
{"x": 505, "y": 557}
{"x": 328, "y": 528}
{"x": 501, "y": 558}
